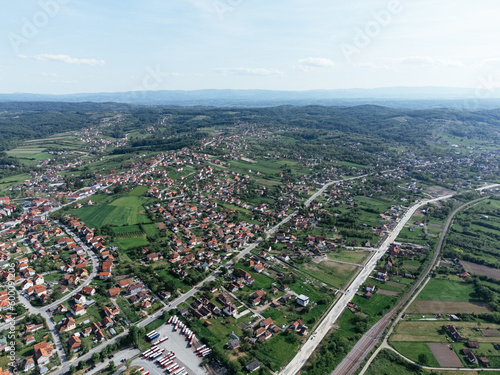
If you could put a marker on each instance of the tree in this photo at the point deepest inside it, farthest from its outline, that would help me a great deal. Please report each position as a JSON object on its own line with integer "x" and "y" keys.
{"x": 95, "y": 357}
{"x": 105, "y": 352}
{"x": 112, "y": 366}
{"x": 72, "y": 369}
{"x": 422, "y": 359}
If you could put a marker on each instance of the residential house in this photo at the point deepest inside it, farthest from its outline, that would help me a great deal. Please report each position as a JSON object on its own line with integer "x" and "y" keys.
{"x": 134, "y": 288}
{"x": 253, "y": 366}
{"x": 302, "y": 300}
{"x": 78, "y": 309}
{"x": 68, "y": 324}
{"x": 74, "y": 343}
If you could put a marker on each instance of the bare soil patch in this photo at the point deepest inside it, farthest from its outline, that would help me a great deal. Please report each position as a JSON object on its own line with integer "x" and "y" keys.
{"x": 411, "y": 267}
{"x": 161, "y": 225}
{"x": 442, "y": 307}
{"x": 435, "y": 225}
{"x": 395, "y": 284}
{"x": 445, "y": 356}
{"x": 438, "y": 191}
{"x": 483, "y": 270}
{"x": 491, "y": 332}
{"x": 388, "y": 292}
{"x": 418, "y": 214}
{"x": 267, "y": 183}
{"x": 26, "y": 150}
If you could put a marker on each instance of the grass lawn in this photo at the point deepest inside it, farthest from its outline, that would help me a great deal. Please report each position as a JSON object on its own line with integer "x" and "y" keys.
{"x": 331, "y": 273}
{"x": 412, "y": 350}
{"x": 128, "y": 243}
{"x": 128, "y": 230}
{"x": 387, "y": 362}
{"x": 150, "y": 229}
{"x": 261, "y": 281}
{"x": 54, "y": 276}
{"x": 446, "y": 290}
{"x": 376, "y": 304}
{"x": 127, "y": 310}
{"x": 118, "y": 212}
{"x": 13, "y": 180}
{"x": 351, "y": 256}
{"x": 277, "y": 351}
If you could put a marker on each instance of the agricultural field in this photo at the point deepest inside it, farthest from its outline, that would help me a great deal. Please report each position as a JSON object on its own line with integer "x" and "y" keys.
{"x": 122, "y": 211}
{"x": 333, "y": 274}
{"x": 447, "y": 290}
{"x": 351, "y": 256}
{"x": 10, "y": 181}
{"x": 388, "y": 362}
{"x": 417, "y": 337}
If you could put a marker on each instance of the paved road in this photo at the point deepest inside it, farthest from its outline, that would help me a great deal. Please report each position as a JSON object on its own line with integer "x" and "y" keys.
{"x": 184, "y": 297}
{"x": 324, "y": 327}
{"x": 43, "y": 311}
{"x": 50, "y": 324}
{"x": 327, "y": 185}
{"x": 117, "y": 359}
{"x": 365, "y": 346}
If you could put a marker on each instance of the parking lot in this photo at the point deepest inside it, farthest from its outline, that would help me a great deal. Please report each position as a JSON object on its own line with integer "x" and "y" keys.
{"x": 185, "y": 357}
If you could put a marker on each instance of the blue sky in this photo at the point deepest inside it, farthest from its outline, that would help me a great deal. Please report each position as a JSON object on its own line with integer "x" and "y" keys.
{"x": 72, "y": 46}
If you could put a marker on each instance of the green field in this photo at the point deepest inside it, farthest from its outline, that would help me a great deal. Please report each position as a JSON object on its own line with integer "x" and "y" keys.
{"x": 331, "y": 273}
{"x": 412, "y": 350}
{"x": 390, "y": 363}
{"x": 13, "y": 180}
{"x": 119, "y": 212}
{"x": 127, "y": 310}
{"x": 128, "y": 231}
{"x": 377, "y": 304}
{"x": 131, "y": 242}
{"x": 150, "y": 230}
{"x": 351, "y": 256}
{"x": 446, "y": 290}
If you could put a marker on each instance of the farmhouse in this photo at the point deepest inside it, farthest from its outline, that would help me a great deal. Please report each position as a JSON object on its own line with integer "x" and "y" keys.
{"x": 452, "y": 331}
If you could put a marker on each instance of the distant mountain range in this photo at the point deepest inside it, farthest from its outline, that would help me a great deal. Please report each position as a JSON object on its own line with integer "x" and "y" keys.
{"x": 399, "y": 97}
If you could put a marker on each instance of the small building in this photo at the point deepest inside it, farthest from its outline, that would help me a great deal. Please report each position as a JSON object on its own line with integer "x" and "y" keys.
{"x": 470, "y": 356}
{"x": 253, "y": 366}
{"x": 484, "y": 361}
{"x": 473, "y": 344}
{"x": 302, "y": 300}
{"x": 74, "y": 343}
{"x": 233, "y": 344}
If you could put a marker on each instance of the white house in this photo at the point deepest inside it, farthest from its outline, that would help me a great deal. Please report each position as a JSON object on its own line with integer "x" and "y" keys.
{"x": 302, "y": 300}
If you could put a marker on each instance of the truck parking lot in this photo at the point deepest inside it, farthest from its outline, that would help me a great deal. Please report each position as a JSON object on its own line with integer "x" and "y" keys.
{"x": 177, "y": 343}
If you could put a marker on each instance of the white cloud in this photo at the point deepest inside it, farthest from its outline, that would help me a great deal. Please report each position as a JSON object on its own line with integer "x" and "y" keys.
{"x": 494, "y": 62}
{"x": 68, "y": 59}
{"x": 429, "y": 61}
{"x": 250, "y": 71}
{"x": 314, "y": 63}
{"x": 317, "y": 62}
{"x": 45, "y": 74}
{"x": 370, "y": 65}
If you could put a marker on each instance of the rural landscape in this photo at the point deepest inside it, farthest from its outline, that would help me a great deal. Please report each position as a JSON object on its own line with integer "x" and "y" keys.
{"x": 227, "y": 241}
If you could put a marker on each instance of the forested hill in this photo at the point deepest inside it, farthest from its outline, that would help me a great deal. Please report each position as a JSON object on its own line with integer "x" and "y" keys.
{"x": 20, "y": 121}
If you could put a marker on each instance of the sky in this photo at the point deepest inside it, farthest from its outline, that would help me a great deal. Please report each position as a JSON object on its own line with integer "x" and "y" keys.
{"x": 79, "y": 46}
